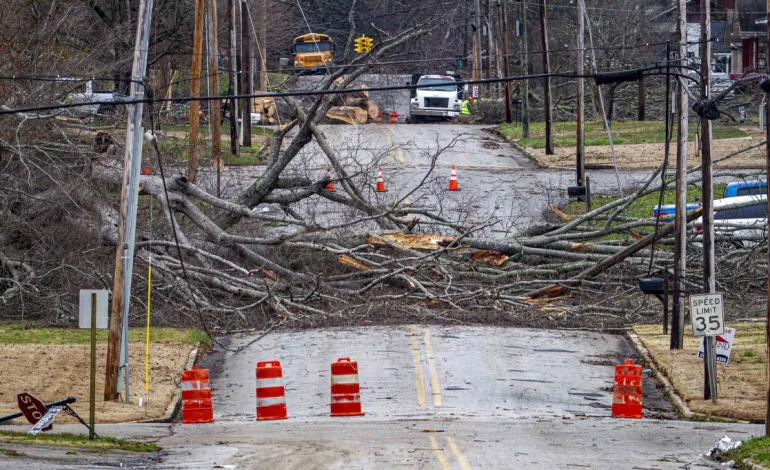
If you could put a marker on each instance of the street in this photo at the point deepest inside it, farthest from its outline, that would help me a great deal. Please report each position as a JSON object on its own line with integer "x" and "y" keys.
{"x": 497, "y": 182}
{"x": 434, "y": 397}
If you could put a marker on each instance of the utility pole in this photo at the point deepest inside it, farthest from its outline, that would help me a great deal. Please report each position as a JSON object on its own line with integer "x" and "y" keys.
{"x": 506, "y": 59}
{"x": 580, "y": 96}
{"x": 235, "y": 149}
{"x": 524, "y": 72}
{"x": 767, "y": 162}
{"x": 474, "y": 46}
{"x": 262, "y": 25}
{"x": 217, "y": 162}
{"x": 479, "y": 52}
{"x": 129, "y": 195}
{"x": 546, "y": 80}
{"x": 247, "y": 84}
{"x": 195, "y": 91}
{"x": 680, "y": 221}
{"x": 709, "y": 283}
{"x": 488, "y": 34}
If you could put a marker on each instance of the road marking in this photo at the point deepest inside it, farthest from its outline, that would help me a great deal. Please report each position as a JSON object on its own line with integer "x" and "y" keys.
{"x": 432, "y": 367}
{"x": 418, "y": 369}
{"x": 400, "y": 153}
{"x": 439, "y": 454}
{"x": 460, "y": 457}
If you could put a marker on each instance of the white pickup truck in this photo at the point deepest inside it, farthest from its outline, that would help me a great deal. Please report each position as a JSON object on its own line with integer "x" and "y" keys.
{"x": 439, "y": 99}
{"x": 89, "y": 95}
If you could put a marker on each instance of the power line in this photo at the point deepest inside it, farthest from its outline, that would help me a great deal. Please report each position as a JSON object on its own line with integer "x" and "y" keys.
{"x": 342, "y": 91}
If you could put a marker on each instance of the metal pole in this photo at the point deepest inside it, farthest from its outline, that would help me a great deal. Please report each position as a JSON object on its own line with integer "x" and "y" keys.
{"x": 767, "y": 162}
{"x": 680, "y": 221}
{"x": 642, "y": 98}
{"x": 92, "y": 389}
{"x": 546, "y": 80}
{"x": 709, "y": 284}
{"x": 524, "y": 72}
{"x": 506, "y": 60}
{"x": 580, "y": 97}
{"x": 479, "y": 60}
{"x": 127, "y": 222}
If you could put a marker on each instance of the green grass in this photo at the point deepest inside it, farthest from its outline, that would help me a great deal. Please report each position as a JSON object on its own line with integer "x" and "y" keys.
{"x": 101, "y": 444}
{"x": 642, "y": 207}
{"x": 16, "y": 333}
{"x": 623, "y": 132}
{"x": 756, "y": 449}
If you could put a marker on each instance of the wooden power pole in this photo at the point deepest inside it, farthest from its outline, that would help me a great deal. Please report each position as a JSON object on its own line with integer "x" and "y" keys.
{"x": 580, "y": 97}
{"x": 709, "y": 283}
{"x": 506, "y": 60}
{"x": 680, "y": 221}
{"x": 546, "y": 80}
{"x": 524, "y": 71}
{"x": 195, "y": 91}
{"x": 247, "y": 85}
{"x": 767, "y": 162}
{"x": 132, "y": 159}
{"x": 262, "y": 15}
{"x": 235, "y": 148}
{"x": 477, "y": 36}
{"x": 217, "y": 162}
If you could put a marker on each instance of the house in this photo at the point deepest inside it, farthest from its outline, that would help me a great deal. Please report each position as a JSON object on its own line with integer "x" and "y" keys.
{"x": 739, "y": 30}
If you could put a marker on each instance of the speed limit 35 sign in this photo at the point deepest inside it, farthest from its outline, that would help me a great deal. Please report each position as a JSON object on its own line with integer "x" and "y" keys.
{"x": 707, "y": 315}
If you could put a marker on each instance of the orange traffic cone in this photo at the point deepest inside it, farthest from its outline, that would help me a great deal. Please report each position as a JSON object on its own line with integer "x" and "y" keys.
{"x": 453, "y": 186}
{"x": 330, "y": 184}
{"x": 380, "y": 182}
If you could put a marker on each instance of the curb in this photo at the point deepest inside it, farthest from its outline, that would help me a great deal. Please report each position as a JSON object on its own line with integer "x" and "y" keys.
{"x": 664, "y": 381}
{"x": 661, "y": 378}
{"x": 176, "y": 400}
{"x": 752, "y": 465}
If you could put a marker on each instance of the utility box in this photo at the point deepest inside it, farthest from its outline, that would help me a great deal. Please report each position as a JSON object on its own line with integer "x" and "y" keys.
{"x": 652, "y": 285}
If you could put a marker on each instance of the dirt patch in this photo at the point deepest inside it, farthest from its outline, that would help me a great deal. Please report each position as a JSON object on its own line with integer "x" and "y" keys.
{"x": 742, "y": 384}
{"x": 650, "y": 156}
{"x": 53, "y": 372}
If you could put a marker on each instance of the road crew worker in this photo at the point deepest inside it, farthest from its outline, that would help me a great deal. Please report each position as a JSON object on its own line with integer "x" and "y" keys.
{"x": 466, "y": 109}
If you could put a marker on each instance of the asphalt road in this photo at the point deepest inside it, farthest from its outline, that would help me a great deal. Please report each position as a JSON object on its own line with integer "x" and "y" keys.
{"x": 434, "y": 397}
{"x": 497, "y": 183}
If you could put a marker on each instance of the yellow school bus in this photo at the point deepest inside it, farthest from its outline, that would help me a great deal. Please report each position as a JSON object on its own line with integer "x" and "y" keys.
{"x": 312, "y": 53}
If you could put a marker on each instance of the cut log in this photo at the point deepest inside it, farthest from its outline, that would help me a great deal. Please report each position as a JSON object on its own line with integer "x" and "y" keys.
{"x": 373, "y": 110}
{"x": 418, "y": 242}
{"x": 348, "y": 115}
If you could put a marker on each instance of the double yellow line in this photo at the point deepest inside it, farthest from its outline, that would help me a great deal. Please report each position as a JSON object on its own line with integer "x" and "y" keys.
{"x": 455, "y": 450}
{"x": 435, "y": 388}
{"x": 394, "y": 151}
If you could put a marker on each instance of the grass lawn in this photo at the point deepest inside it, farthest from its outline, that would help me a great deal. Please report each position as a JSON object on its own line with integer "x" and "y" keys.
{"x": 623, "y": 132}
{"x": 101, "y": 444}
{"x": 16, "y": 333}
{"x": 642, "y": 207}
{"x": 742, "y": 384}
{"x": 757, "y": 450}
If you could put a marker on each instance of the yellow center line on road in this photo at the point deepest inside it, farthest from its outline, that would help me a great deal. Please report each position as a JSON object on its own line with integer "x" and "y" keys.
{"x": 432, "y": 367}
{"x": 400, "y": 153}
{"x": 418, "y": 369}
{"x": 460, "y": 457}
{"x": 439, "y": 454}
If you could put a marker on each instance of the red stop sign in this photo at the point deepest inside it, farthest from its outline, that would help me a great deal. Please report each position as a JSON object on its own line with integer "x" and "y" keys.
{"x": 32, "y": 408}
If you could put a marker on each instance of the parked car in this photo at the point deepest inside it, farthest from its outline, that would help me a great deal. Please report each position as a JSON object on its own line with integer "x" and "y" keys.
{"x": 670, "y": 209}
{"x": 745, "y": 224}
{"x": 104, "y": 98}
{"x": 745, "y": 188}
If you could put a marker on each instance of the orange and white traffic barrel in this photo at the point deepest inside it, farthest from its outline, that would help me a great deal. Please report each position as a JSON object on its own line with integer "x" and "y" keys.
{"x": 627, "y": 394}
{"x": 271, "y": 399}
{"x": 196, "y": 397}
{"x": 346, "y": 391}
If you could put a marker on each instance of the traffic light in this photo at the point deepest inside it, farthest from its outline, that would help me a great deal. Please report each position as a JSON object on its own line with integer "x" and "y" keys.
{"x": 363, "y": 44}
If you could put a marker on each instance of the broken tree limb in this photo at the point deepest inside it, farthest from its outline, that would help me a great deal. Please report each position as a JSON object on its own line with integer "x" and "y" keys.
{"x": 612, "y": 260}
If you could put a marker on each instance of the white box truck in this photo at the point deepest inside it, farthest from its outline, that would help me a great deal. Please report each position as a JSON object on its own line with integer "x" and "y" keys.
{"x": 437, "y": 98}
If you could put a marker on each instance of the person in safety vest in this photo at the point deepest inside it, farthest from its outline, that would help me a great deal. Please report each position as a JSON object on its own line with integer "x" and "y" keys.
{"x": 466, "y": 106}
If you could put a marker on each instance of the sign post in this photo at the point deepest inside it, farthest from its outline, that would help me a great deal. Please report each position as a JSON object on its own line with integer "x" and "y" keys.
{"x": 93, "y": 317}
{"x": 707, "y": 315}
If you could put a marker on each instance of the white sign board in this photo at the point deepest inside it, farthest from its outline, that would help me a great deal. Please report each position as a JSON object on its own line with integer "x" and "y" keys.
{"x": 475, "y": 91}
{"x": 707, "y": 315}
{"x": 45, "y": 421}
{"x": 724, "y": 346}
{"x": 102, "y": 306}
